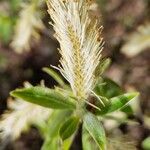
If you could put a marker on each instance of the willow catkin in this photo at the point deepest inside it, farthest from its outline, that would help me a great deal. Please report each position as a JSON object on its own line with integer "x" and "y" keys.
{"x": 80, "y": 45}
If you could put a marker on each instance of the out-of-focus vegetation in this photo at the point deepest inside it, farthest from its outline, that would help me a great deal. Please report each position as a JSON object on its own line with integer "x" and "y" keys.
{"x": 26, "y": 45}
{"x": 20, "y": 23}
{"x": 146, "y": 143}
{"x": 138, "y": 41}
{"x": 8, "y": 9}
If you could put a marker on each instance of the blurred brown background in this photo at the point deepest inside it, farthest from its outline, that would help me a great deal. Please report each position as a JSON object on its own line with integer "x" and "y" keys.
{"x": 127, "y": 42}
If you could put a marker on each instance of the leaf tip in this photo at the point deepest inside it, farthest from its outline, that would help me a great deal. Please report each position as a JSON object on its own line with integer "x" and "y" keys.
{"x": 135, "y": 94}
{"x": 13, "y": 93}
{"x": 44, "y": 69}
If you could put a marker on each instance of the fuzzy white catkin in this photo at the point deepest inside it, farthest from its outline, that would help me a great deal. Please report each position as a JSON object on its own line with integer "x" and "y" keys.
{"x": 22, "y": 116}
{"x": 80, "y": 44}
{"x": 27, "y": 27}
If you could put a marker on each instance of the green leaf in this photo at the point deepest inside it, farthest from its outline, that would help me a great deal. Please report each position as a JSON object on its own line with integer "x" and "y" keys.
{"x": 109, "y": 89}
{"x": 52, "y": 131}
{"x": 69, "y": 127}
{"x": 120, "y": 101}
{"x": 51, "y": 144}
{"x": 96, "y": 130}
{"x": 54, "y": 75}
{"x": 127, "y": 109}
{"x": 116, "y": 103}
{"x": 67, "y": 144}
{"x": 45, "y": 97}
{"x": 87, "y": 141}
{"x": 146, "y": 144}
{"x": 103, "y": 107}
{"x": 55, "y": 121}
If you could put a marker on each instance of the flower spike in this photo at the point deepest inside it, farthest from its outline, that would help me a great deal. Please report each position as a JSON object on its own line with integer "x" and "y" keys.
{"x": 80, "y": 44}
